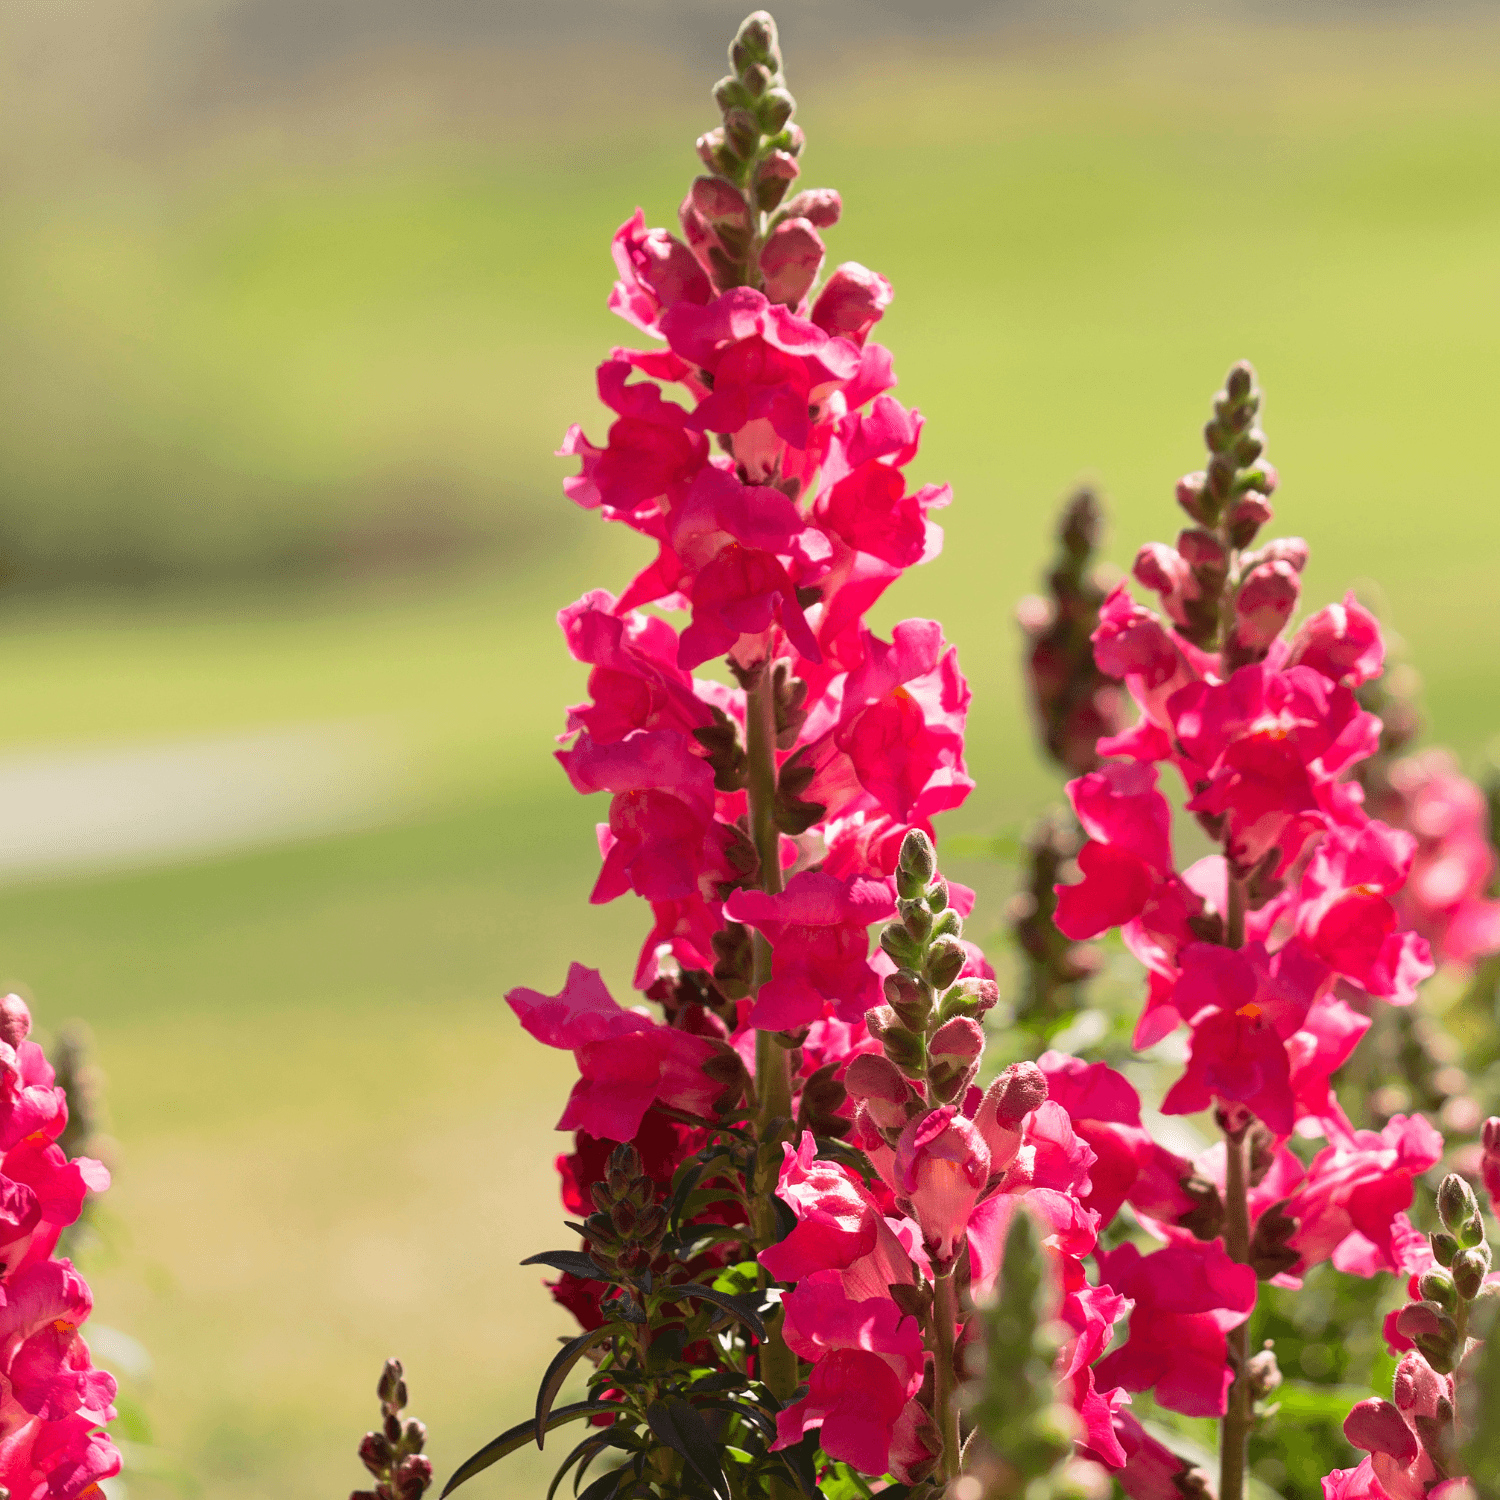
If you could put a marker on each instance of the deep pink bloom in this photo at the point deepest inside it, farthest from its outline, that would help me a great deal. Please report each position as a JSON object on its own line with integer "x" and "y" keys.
{"x": 656, "y": 272}
{"x": 1346, "y": 1206}
{"x": 889, "y": 738}
{"x": 635, "y": 682}
{"x": 1446, "y": 897}
{"x": 839, "y": 1228}
{"x": 1105, "y": 1110}
{"x": 1187, "y": 1297}
{"x": 942, "y": 1166}
{"x": 1346, "y": 915}
{"x": 1150, "y": 1468}
{"x": 627, "y": 1060}
{"x": 819, "y": 933}
{"x": 1263, "y": 748}
{"x": 1236, "y": 1056}
{"x": 650, "y": 453}
{"x": 855, "y": 1399}
{"x": 1129, "y": 853}
{"x": 1131, "y": 643}
{"x": 1342, "y": 641}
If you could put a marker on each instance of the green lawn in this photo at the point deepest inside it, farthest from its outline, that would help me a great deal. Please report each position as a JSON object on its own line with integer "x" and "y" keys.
{"x": 334, "y": 1144}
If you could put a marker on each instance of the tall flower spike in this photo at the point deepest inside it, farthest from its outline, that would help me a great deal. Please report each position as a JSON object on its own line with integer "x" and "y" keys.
{"x": 393, "y": 1452}
{"x": 737, "y": 219}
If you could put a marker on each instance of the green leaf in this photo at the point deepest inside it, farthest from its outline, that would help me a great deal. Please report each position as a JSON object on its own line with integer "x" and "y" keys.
{"x": 518, "y": 1436}
{"x": 575, "y": 1262}
{"x": 736, "y": 1307}
{"x": 583, "y": 1454}
{"x": 557, "y": 1372}
{"x": 684, "y": 1431}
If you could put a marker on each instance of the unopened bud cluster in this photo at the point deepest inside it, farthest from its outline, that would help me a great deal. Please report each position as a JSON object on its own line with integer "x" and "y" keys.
{"x": 1074, "y": 703}
{"x": 1055, "y": 965}
{"x": 1218, "y": 594}
{"x": 393, "y": 1453}
{"x": 737, "y": 219}
{"x": 928, "y": 1025}
{"x": 625, "y": 1230}
{"x": 1438, "y": 1324}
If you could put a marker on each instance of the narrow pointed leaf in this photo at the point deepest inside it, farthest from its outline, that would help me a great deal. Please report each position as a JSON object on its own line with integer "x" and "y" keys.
{"x": 518, "y": 1436}
{"x": 557, "y": 1372}
{"x": 738, "y": 1307}
{"x": 684, "y": 1431}
{"x": 575, "y": 1262}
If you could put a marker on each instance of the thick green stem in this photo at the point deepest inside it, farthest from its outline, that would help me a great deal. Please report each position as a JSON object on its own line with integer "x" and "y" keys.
{"x": 945, "y": 1380}
{"x": 1234, "y": 1442}
{"x": 773, "y": 1070}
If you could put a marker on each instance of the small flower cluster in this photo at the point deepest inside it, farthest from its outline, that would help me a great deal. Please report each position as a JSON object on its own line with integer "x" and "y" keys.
{"x": 393, "y": 1452}
{"x": 1412, "y": 1442}
{"x": 52, "y": 1400}
{"x": 879, "y": 1267}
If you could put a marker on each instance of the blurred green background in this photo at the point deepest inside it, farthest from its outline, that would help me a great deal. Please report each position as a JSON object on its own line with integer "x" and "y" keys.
{"x": 295, "y": 302}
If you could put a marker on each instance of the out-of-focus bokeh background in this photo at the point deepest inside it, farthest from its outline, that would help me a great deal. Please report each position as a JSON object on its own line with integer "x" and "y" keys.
{"x": 297, "y": 297}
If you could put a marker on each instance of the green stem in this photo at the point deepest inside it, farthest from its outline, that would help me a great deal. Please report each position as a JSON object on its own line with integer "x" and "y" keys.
{"x": 945, "y": 1392}
{"x": 773, "y": 1068}
{"x": 1234, "y": 1448}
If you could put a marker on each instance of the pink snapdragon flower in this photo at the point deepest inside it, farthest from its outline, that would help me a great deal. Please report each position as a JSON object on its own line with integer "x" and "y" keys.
{"x": 1186, "y": 1298}
{"x": 819, "y": 932}
{"x": 1348, "y": 1204}
{"x": 626, "y": 1060}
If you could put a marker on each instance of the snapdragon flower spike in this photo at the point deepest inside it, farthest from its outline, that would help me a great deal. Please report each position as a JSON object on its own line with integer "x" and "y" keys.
{"x": 393, "y": 1452}
{"x": 1413, "y": 1442}
{"x": 54, "y": 1400}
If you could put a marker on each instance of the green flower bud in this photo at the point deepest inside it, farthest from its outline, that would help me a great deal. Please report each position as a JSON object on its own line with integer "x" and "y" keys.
{"x": 918, "y": 858}
{"x": 730, "y": 93}
{"x": 910, "y": 997}
{"x": 1444, "y": 1247}
{"x": 907, "y": 1050}
{"x": 773, "y": 109}
{"x": 1470, "y": 1267}
{"x": 1456, "y": 1202}
{"x": 905, "y": 951}
{"x": 1471, "y": 1232}
{"x": 916, "y": 917}
{"x": 948, "y": 924}
{"x": 945, "y": 961}
{"x": 937, "y": 895}
{"x": 1437, "y": 1286}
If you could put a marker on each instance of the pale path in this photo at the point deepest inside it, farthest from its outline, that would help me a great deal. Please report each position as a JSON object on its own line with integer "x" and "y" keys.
{"x": 73, "y": 809}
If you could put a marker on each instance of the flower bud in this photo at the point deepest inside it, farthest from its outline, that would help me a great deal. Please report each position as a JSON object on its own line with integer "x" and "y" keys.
{"x": 887, "y": 1096}
{"x": 1471, "y": 1231}
{"x": 1444, "y": 1247}
{"x": 375, "y": 1452}
{"x": 790, "y": 261}
{"x": 916, "y": 917}
{"x": 953, "y": 1055}
{"x": 852, "y": 302}
{"x": 969, "y": 997}
{"x": 773, "y": 109}
{"x": 821, "y": 207}
{"x": 906, "y": 1050}
{"x": 15, "y": 1027}
{"x": 1251, "y": 511}
{"x": 1264, "y": 1373}
{"x": 390, "y": 1383}
{"x": 938, "y": 895}
{"x": 756, "y": 42}
{"x": 1192, "y": 496}
{"x": 1432, "y": 1331}
{"x": 948, "y": 924}
{"x": 1437, "y": 1286}
{"x": 945, "y": 961}
{"x": 414, "y": 1436}
{"x": 1456, "y": 1203}
{"x": 1263, "y": 605}
{"x": 918, "y": 860}
{"x": 910, "y": 996}
{"x": 1470, "y": 1267}
{"x": 904, "y": 950}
